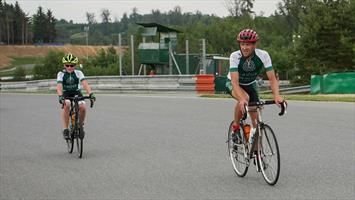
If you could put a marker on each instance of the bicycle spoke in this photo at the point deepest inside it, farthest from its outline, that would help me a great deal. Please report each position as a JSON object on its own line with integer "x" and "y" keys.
{"x": 237, "y": 155}
{"x": 240, "y": 161}
{"x": 269, "y": 156}
{"x": 268, "y": 141}
{"x": 272, "y": 172}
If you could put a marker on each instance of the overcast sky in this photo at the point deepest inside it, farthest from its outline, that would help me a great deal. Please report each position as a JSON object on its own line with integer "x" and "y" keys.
{"x": 75, "y": 9}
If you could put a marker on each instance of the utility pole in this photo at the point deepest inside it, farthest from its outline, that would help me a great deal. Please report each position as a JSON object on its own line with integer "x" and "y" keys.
{"x": 204, "y": 55}
{"x": 170, "y": 59}
{"x": 120, "y": 57}
{"x": 187, "y": 57}
{"x": 132, "y": 54}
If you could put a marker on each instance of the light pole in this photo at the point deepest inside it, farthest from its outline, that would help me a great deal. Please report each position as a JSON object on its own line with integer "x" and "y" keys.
{"x": 86, "y": 29}
{"x": 132, "y": 54}
{"x": 120, "y": 51}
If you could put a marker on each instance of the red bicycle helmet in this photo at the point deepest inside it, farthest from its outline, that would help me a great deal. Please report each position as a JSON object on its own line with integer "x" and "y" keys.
{"x": 247, "y": 35}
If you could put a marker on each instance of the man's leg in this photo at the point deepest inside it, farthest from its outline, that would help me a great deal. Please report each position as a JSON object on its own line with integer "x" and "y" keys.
{"x": 237, "y": 112}
{"x": 254, "y": 97}
{"x": 237, "y": 116}
{"x": 253, "y": 115}
{"x": 252, "y": 91}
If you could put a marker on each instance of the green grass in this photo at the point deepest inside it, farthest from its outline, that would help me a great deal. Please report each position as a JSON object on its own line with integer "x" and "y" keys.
{"x": 8, "y": 73}
{"x": 299, "y": 97}
{"x": 12, "y": 73}
{"x": 20, "y": 61}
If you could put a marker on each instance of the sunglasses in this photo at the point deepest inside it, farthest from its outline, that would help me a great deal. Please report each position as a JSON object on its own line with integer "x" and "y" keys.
{"x": 70, "y": 65}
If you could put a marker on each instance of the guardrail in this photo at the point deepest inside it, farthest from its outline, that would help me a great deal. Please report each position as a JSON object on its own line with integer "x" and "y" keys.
{"x": 292, "y": 90}
{"x": 159, "y": 83}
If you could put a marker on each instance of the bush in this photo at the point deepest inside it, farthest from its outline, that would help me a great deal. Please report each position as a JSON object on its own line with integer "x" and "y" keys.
{"x": 20, "y": 74}
{"x": 51, "y": 66}
{"x": 105, "y": 63}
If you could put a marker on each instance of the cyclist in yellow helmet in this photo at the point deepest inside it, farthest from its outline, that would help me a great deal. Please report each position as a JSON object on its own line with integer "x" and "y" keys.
{"x": 69, "y": 82}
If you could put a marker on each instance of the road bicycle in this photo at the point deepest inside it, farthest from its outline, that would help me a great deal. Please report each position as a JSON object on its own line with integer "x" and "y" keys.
{"x": 264, "y": 149}
{"x": 76, "y": 133}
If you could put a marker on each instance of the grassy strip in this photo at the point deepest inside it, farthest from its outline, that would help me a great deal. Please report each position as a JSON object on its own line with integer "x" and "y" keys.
{"x": 20, "y": 61}
{"x": 12, "y": 73}
{"x": 299, "y": 97}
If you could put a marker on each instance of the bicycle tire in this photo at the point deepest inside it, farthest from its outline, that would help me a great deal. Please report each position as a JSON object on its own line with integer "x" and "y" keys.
{"x": 269, "y": 155}
{"x": 79, "y": 144}
{"x": 70, "y": 141}
{"x": 79, "y": 141}
{"x": 237, "y": 154}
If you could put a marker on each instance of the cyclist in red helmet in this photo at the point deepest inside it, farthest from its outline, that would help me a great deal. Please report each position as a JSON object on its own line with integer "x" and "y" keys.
{"x": 245, "y": 65}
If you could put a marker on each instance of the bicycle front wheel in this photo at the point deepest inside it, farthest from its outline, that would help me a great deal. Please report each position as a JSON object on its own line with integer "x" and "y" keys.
{"x": 70, "y": 141}
{"x": 237, "y": 154}
{"x": 269, "y": 155}
{"x": 79, "y": 144}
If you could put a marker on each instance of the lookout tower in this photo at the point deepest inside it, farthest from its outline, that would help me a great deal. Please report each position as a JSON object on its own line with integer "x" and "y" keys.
{"x": 156, "y": 50}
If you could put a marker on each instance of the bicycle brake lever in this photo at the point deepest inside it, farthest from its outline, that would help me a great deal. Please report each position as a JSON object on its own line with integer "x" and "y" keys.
{"x": 91, "y": 103}
{"x": 283, "y": 108}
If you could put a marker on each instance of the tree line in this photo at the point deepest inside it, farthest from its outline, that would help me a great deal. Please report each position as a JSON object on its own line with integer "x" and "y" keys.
{"x": 16, "y": 27}
{"x": 303, "y": 37}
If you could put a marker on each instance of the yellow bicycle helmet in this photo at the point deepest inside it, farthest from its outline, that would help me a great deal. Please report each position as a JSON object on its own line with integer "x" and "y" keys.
{"x": 70, "y": 58}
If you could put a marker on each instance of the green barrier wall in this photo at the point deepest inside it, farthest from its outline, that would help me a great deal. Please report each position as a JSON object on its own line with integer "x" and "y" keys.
{"x": 335, "y": 83}
{"x": 316, "y": 84}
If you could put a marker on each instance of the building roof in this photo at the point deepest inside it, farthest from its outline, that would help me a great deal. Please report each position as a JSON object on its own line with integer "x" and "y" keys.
{"x": 160, "y": 28}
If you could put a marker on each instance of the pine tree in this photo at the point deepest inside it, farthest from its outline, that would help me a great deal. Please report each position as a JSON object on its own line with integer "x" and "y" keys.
{"x": 2, "y": 21}
{"x": 13, "y": 23}
{"x": 51, "y": 33}
{"x": 38, "y": 26}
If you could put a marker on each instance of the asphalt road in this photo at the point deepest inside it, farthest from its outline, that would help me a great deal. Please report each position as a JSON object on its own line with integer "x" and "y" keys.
{"x": 170, "y": 147}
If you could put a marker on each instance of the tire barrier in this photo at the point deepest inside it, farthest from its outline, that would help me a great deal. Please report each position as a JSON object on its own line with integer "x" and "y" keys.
{"x": 205, "y": 83}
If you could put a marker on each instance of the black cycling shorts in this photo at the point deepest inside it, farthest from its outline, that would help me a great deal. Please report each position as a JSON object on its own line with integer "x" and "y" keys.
{"x": 251, "y": 90}
{"x": 72, "y": 94}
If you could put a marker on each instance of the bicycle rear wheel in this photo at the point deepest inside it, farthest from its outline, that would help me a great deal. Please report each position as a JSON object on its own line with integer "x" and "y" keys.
{"x": 237, "y": 154}
{"x": 269, "y": 155}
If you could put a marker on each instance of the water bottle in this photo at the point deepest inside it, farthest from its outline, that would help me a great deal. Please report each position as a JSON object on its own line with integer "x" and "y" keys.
{"x": 72, "y": 119}
{"x": 251, "y": 135}
{"x": 246, "y": 130}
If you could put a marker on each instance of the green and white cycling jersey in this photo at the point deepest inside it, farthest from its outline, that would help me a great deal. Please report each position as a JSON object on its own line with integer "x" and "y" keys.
{"x": 70, "y": 81}
{"x": 249, "y": 68}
